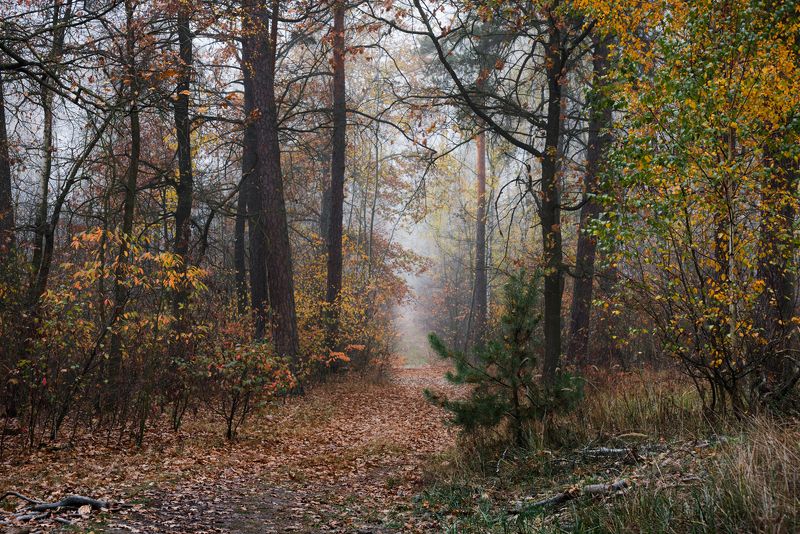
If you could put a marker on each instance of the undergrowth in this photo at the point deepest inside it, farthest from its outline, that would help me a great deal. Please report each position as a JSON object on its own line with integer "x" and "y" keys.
{"x": 687, "y": 474}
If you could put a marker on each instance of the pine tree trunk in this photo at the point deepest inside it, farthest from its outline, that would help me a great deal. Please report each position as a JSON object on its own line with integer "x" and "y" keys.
{"x": 338, "y": 148}
{"x": 598, "y": 139}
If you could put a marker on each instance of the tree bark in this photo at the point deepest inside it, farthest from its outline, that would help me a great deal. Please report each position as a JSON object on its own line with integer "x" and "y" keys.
{"x": 283, "y": 320}
{"x": 185, "y": 185}
{"x": 338, "y": 148}
{"x": 598, "y": 140}
{"x": 259, "y": 299}
{"x": 550, "y": 212}
{"x": 239, "y": 256}
{"x": 777, "y": 254}
{"x": 7, "y": 225}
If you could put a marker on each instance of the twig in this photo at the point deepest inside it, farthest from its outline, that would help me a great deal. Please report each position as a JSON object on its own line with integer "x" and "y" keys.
{"x": 19, "y": 496}
{"x": 502, "y": 457}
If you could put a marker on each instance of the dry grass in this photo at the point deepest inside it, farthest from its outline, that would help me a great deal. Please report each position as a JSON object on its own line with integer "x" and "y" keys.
{"x": 658, "y": 404}
{"x": 751, "y": 484}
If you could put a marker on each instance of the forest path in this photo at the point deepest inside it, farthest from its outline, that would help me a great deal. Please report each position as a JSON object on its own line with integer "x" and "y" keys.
{"x": 348, "y": 457}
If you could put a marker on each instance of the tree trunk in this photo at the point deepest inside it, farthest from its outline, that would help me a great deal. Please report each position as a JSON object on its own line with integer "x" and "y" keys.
{"x": 184, "y": 187}
{"x": 374, "y": 208}
{"x": 239, "y": 256}
{"x": 777, "y": 252}
{"x": 43, "y": 233}
{"x": 607, "y": 280}
{"x": 283, "y": 319}
{"x": 598, "y": 139}
{"x": 128, "y": 203}
{"x": 259, "y": 299}
{"x": 11, "y": 393}
{"x": 479, "y": 326}
{"x": 338, "y": 147}
{"x": 550, "y": 215}
{"x": 7, "y": 225}
{"x": 325, "y": 212}
{"x": 40, "y": 223}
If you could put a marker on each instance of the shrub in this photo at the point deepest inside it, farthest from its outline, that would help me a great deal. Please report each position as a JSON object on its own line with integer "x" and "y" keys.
{"x": 240, "y": 378}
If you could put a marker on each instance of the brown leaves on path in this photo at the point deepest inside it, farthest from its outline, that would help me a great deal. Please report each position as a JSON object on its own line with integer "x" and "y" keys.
{"x": 348, "y": 457}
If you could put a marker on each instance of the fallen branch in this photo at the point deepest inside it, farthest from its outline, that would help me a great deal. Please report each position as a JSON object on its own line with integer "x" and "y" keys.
{"x": 35, "y": 510}
{"x": 73, "y": 501}
{"x": 599, "y": 489}
{"x": 575, "y": 492}
{"x": 30, "y": 516}
{"x": 606, "y": 451}
{"x": 629, "y": 454}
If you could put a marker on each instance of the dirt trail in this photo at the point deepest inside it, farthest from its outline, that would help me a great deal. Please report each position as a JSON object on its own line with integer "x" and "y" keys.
{"x": 349, "y": 457}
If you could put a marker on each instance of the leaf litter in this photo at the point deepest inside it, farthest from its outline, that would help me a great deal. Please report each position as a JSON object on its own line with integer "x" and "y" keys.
{"x": 347, "y": 457}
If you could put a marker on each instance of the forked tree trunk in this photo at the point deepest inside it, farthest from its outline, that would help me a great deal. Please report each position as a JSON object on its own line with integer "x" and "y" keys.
{"x": 44, "y": 233}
